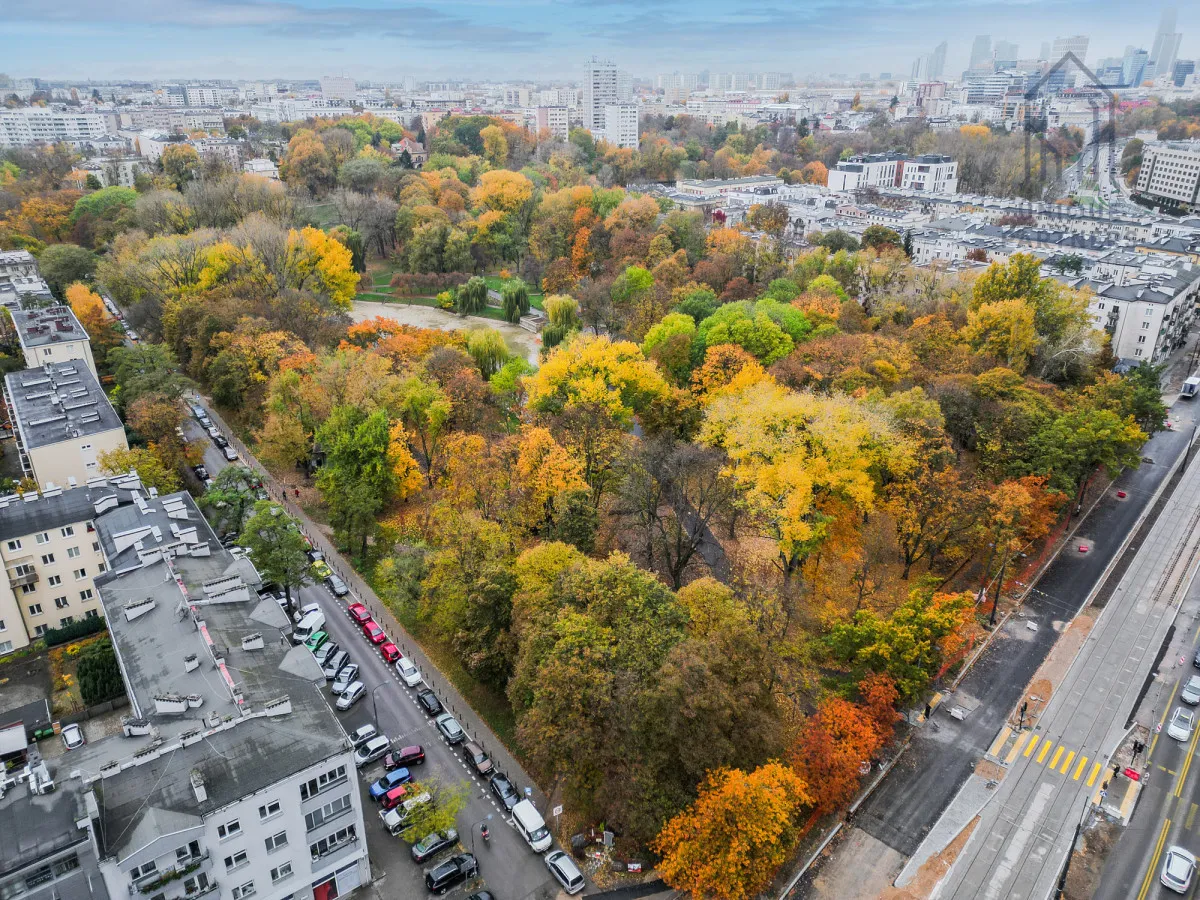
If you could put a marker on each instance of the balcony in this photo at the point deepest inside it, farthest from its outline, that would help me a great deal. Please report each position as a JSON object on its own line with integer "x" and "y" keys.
{"x": 154, "y": 881}
{"x": 21, "y": 575}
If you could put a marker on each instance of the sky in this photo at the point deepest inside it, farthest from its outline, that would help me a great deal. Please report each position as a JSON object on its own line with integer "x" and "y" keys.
{"x": 539, "y": 40}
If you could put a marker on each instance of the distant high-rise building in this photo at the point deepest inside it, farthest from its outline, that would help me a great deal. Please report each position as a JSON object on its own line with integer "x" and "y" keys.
{"x": 1006, "y": 54}
{"x": 1166, "y": 44}
{"x": 919, "y": 67}
{"x": 981, "y": 51}
{"x": 554, "y": 119}
{"x": 602, "y": 86}
{"x": 1133, "y": 66}
{"x": 1076, "y": 44}
{"x": 1045, "y": 51}
{"x": 1181, "y": 70}
{"x": 338, "y": 87}
{"x": 937, "y": 62}
{"x": 621, "y": 125}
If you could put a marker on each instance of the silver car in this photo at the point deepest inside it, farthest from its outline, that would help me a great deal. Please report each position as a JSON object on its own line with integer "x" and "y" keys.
{"x": 563, "y": 868}
{"x": 1191, "y": 691}
{"x": 355, "y": 692}
{"x": 1181, "y": 724}
{"x": 1178, "y": 869}
{"x": 344, "y": 679}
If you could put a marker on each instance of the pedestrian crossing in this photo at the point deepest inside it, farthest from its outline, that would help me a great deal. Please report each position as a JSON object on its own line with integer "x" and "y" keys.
{"x": 1010, "y": 746}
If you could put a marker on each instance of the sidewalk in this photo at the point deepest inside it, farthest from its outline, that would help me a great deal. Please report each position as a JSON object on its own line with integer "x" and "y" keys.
{"x": 441, "y": 685}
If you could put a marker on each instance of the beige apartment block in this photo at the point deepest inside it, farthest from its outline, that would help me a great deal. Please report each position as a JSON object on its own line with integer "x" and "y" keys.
{"x": 52, "y": 334}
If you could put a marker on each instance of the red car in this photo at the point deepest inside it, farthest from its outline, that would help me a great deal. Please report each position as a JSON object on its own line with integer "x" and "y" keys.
{"x": 390, "y": 652}
{"x": 359, "y": 613}
{"x": 373, "y": 632}
{"x": 413, "y": 755}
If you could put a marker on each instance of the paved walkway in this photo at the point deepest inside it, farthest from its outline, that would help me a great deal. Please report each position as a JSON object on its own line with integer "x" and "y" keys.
{"x": 1027, "y": 828}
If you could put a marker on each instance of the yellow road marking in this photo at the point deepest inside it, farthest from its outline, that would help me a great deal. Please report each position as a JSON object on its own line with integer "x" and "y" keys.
{"x": 1057, "y": 754}
{"x": 1095, "y": 771}
{"x": 1045, "y": 749}
{"x": 1079, "y": 768}
{"x": 1149, "y": 879}
{"x": 1161, "y": 722}
{"x": 1191, "y": 817}
{"x": 1012, "y": 754}
{"x": 998, "y": 743}
{"x": 1067, "y": 762}
{"x": 1033, "y": 743}
{"x": 1187, "y": 763}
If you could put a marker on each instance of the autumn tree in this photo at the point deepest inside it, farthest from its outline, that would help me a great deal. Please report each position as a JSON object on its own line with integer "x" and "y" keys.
{"x": 279, "y": 550}
{"x": 732, "y": 840}
{"x": 153, "y": 471}
{"x": 101, "y": 327}
{"x": 180, "y": 163}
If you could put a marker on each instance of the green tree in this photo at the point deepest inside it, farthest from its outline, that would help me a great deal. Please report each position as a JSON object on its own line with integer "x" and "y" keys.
{"x": 61, "y": 265}
{"x": 359, "y": 475}
{"x": 515, "y": 294}
{"x": 1082, "y": 440}
{"x": 152, "y": 469}
{"x": 447, "y": 800}
{"x": 144, "y": 368}
{"x": 880, "y": 236}
{"x": 276, "y": 546}
{"x": 98, "y": 673}
{"x": 471, "y": 298}
{"x": 487, "y": 348}
{"x": 425, "y": 411}
{"x": 230, "y": 498}
{"x": 180, "y": 163}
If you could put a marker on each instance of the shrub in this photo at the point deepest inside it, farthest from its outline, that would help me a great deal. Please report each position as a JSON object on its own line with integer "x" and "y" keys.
{"x": 426, "y": 283}
{"x": 99, "y": 674}
{"x": 55, "y": 636}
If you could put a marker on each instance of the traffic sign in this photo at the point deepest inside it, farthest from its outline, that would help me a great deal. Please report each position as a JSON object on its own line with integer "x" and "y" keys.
{"x": 558, "y": 810}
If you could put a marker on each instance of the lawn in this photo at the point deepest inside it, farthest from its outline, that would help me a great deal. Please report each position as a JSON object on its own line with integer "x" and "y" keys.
{"x": 494, "y": 282}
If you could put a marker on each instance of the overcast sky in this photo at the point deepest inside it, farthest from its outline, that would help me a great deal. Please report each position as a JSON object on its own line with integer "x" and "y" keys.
{"x": 540, "y": 39}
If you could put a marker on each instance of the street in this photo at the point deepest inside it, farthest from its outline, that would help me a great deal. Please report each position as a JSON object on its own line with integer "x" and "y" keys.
{"x": 507, "y": 865}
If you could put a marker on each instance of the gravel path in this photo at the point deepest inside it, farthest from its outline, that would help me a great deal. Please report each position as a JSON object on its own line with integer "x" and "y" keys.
{"x": 519, "y": 340}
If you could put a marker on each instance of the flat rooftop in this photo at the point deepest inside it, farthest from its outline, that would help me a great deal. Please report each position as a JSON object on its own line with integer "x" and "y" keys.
{"x": 40, "y": 326}
{"x": 36, "y": 511}
{"x": 217, "y": 687}
{"x": 58, "y": 402}
{"x": 47, "y": 822}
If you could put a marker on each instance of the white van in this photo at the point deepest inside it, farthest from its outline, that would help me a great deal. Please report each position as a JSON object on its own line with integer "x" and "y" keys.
{"x": 531, "y": 826}
{"x": 309, "y": 625}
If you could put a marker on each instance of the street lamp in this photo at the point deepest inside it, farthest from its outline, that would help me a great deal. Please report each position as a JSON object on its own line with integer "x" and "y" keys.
{"x": 374, "y": 707}
{"x": 477, "y": 825}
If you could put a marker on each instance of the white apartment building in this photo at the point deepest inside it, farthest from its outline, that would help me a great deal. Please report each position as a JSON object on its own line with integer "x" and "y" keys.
{"x": 203, "y": 95}
{"x": 338, "y": 87}
{"x": 62, "y": 422}
{"x": 875, "y": 170}
{"x": 1149, "y": 317}
{"x": 17, "y": 264}
{"x": 51, "y": 551}
{"x": 121, "y": 171}
{"x": 621, "y": 125}
{"x": 26, "y": 127}
{"x": 555, "y": 119}
{"x": 932, "y": 173}
{"x": 150, "y": 144}
{"x": 233, "y": 779}
{"x": 603, "y": 85}
{"x": 277, "y": 111}
{"x": 1171, "y": 173}
{"x": 52, "y": 334}
{"x": 231, "y": 151}
{"x": 262, "y": 167}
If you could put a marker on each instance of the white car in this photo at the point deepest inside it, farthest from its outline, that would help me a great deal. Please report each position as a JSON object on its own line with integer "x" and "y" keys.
{"x": 408, "y": 671}
{"x": 372, "y": 750}
{"x": 351, "y": 695}
{"x": 72, "y": 736}
{"x": 1181, "y": 724}
{"x": 1178, "y": 869}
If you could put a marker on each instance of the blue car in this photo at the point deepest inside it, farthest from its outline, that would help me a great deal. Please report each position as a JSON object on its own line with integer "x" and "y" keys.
{"x": 392, "y": 779}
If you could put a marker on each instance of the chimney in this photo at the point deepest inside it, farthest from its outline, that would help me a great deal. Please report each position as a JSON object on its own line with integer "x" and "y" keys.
{"x": 198, "y": 786}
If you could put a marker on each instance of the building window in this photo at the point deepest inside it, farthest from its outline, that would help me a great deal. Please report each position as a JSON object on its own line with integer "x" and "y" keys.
{"x": 92, "y": 614}
{"x": 314, "y": 786}
{"x": 43, "y": 537}
{"x": 28, "y": 588}
{"x": 242, "y": 891}
{"x": 61, "y": 603}
{"x": 86, "y": 447}
{"x": 279, "y": 874}
{"x": 239, "y": 859}
{"x": 330, "y": 810}
{"x": 1145, "y": 325}
{"x": 47, "y": 559}
{"x": 275, "y": 841}
{"x": 1141, "y": 339}
{"x": 14, "y": 545}
{"x": 1137, "y": 352}
{"x": 95, "y": 546}
{"x": 3, "y": 627}
{"x": 142, "y": 871}
{"x": 86, "y": 595}
{"x": 80, "y": 574}
{"x": 72, "y": 553}
{"x": 65, "y": 620}
{"x": 5, "y": 646}
{"x": 54, "y": 580}
{"x": 271, "y": 809}
{"x": 191, "y": 850}
{"x": 35, "y": 609}
{"x": 328, "y": 844}
{"x": 229, "y": 829}
{"x": 67, "y": 530}
{"x": 40, "y": 630}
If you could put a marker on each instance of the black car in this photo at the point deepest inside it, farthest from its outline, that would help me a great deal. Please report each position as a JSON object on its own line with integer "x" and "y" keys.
{"x": 429, "y": 702}
{"x": 200, "y": 471}
{"x": 433, "y": 844}
{"x": 482, "y": 895}
{"x": 446, "y": 875}
{"x": 505, "y": 790}
{"x": 1196, "y": 659}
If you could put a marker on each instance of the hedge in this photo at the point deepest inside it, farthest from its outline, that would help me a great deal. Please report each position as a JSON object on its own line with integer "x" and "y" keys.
{"x": 427, "y": 284}
{"x": 73, "y": 632}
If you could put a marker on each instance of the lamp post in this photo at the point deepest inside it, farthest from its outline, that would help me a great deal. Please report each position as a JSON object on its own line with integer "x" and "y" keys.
{"x": 374, "y": 707}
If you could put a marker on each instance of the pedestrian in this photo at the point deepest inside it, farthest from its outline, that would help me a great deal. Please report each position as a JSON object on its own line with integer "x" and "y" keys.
{"x": 297, "y": 493}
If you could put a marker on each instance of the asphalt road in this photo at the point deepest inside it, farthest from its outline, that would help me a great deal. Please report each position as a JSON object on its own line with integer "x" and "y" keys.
{"x": 508, "y": 867}
{"x": 943, "y": 753}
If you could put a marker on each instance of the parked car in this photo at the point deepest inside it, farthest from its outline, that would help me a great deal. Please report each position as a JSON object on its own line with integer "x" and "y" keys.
{"x": 347, "y": 676}
{"x": 303, "y": 611}
{"x": 432, "y": 844}
{"x": 321, "y": 570}
{"x": 334, "y": 664}
{"x": 372, "y": 750}
{"x": 374, "y": 633}
{"x": 198, "y": 410}
{"x": 325, "y": 651}
{"x": 397, "y": 795}
{"x": 450, "y": 729}
{"x": 505, "y": 790}
{"x": 476, "y": 758}
{"x": 408, "y": 671}
{"x": 213, "y": 431}
{"x": 446, "y": 875}
{"x": 351, "y": 695}
{"x": 314, "y": 555}
{"x": 413, "y": 755}
{"x": 1191, "y": 691}
{"x": 565, "y": 872}
{"x": 362, "y": 734}
{"x": 336, "y": 586}
{"x": 390, "y": 652}
{"x": 201, "y": 472}
{"x": 315, "y": 641}
{"x": 394, "y": 778}
{"x": 429, "y": 702}
{"x": 230, "y": 453}
{"x": 1181, "y": 724}
{"x": 359, "y": 613}
{"x": 1178, "y": 869}
{"x": 72, "y": 737}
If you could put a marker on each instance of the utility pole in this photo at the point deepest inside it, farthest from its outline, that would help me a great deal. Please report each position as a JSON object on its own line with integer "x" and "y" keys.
{"x": 999, "y": 588}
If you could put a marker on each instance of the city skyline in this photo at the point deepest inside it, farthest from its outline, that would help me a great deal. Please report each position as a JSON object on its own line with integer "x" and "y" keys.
{"x": 503, "y": 40}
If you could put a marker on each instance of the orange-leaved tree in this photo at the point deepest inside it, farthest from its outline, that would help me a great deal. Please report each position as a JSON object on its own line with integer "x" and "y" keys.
{"x": 732, "y": 840}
